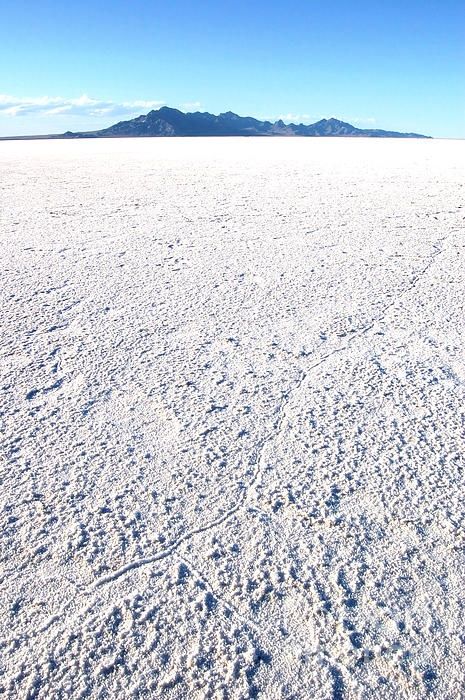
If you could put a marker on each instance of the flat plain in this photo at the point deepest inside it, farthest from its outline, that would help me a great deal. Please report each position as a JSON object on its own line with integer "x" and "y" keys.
{"x": 232, "y": 419}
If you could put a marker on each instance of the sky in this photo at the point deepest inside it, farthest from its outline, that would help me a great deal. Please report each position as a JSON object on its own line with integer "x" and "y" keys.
{"x": 88, "y": 64}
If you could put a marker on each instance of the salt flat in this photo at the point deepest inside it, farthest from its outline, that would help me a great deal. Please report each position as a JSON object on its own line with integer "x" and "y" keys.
{"x": 232, "y": 418}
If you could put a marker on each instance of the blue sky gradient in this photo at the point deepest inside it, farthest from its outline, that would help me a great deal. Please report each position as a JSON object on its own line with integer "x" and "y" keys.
{"x": 397, "y": 65}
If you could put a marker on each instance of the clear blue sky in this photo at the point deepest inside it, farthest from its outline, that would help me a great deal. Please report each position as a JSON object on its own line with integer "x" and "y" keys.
{"x": 77, "y": 65}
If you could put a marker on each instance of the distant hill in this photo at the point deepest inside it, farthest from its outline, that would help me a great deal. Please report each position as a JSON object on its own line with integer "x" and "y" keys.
{"x": 172, "y": 122}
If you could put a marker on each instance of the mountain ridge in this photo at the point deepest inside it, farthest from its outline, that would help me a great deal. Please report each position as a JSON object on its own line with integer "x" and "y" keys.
{"x": 169, "y": 122}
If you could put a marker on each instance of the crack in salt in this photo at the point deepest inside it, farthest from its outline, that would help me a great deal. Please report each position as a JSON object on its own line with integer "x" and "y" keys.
{"x": 271, "y": 435}
{"x": 255, "y": 480}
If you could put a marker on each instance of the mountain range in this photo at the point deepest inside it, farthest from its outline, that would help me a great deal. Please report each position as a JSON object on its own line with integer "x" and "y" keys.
{"x": 167, "y": 121}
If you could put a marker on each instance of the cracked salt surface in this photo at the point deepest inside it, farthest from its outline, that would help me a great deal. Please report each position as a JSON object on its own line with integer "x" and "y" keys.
{"x": 232, "y": 391}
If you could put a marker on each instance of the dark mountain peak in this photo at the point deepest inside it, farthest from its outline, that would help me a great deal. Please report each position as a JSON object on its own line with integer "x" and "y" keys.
{"x": 168, "y": 112}
{"x": 230, "y": 115}
{"x": 333, "y": 127}
{"x": 332, "y": 121}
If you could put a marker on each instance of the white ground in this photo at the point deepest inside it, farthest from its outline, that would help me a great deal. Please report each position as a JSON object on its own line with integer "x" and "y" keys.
{"x": 232, "y": 414}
